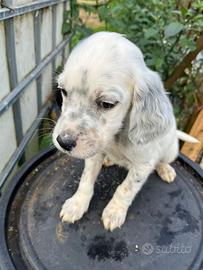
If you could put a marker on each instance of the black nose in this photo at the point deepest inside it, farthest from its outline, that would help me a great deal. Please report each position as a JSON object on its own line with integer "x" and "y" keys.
{"x": 66, "y": 143}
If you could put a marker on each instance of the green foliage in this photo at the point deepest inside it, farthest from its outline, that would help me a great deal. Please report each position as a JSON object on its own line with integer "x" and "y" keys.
{"x": 73, "y": 24}
{"x": 45, "y": 141}
{"x": 173, "y": 29}
{"x": 165, "y": 31}
{"x": 66, "y": 26}
{"x": 59, "y": 69}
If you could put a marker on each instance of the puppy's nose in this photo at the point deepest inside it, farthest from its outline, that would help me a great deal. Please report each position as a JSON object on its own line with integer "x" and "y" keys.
{"x": 66, "y": 143}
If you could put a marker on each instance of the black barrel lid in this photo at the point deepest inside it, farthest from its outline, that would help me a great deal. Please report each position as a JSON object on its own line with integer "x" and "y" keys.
{"x": 163, "y": 229}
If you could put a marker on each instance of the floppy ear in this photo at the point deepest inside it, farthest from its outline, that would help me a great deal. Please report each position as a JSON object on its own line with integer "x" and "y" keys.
{"x": 151, "y": 114}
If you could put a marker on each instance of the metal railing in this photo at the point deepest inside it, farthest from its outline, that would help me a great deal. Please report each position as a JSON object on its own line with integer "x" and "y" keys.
{"x": 12, "y": 100}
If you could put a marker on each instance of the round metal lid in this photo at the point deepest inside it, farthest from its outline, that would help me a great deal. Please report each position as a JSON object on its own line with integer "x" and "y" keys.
{"x": 163, "y": 229}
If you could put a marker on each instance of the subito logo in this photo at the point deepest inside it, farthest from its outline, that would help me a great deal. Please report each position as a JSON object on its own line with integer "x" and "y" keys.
{"x": 147, "y": 249}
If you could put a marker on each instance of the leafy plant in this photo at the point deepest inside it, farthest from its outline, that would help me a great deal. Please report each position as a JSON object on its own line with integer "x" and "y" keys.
{"x": 73, "y": 24}
{"x": 169, "y": 34}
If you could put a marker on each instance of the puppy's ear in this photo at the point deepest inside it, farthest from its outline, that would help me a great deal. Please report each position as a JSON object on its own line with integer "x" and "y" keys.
{"x": 151, "y": 113}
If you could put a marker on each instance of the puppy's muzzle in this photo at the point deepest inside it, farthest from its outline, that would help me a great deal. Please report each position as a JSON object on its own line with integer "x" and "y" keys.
{"x": 66, "y": 143}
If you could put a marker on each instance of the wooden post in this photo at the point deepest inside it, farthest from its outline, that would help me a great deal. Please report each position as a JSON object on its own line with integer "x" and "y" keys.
{"x": 194, "y": 150}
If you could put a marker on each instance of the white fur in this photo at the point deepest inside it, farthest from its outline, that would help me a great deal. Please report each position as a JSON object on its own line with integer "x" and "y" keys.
{"x": 185, "y": 137}
{"x": 139, "y": 133}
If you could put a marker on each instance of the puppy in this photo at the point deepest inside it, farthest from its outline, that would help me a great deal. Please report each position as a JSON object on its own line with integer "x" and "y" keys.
{"x": 114, "y": 107}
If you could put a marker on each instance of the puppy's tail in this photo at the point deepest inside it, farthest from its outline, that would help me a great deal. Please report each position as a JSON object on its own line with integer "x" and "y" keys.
{"x": 185, "y": 137}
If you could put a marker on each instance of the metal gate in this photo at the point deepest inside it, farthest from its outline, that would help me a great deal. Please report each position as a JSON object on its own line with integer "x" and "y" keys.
{"x": 31, "y": 48}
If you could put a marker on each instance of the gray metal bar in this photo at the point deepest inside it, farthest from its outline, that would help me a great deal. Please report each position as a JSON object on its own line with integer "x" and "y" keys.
{"x": 8, "y": 2}
{"x": 11, "y": 54}
{"x": 6, "y": 13}
{"x": 10, "y": 47}
{"x": 37, "y": 34}
{"x": 20, "y": 150}
{"x": 14, "y": 95}
{"x": 37, "y": 37}
{"x": 63, "y": 52}
{"x": 53, "y": 37}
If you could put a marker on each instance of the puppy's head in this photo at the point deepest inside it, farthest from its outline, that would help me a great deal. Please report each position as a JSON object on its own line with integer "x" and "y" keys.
{"x": 95, "y": 98}
{"x": 90, "y": 119}
{"x": 104, "y": 84}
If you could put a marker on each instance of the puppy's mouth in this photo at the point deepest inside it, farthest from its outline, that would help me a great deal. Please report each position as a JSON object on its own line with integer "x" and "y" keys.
{"x": 84, "y": 155}
{"x": 82, "y": 150}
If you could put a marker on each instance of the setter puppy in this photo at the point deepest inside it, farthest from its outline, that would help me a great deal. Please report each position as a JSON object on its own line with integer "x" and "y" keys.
{"x": 114, "y": 107}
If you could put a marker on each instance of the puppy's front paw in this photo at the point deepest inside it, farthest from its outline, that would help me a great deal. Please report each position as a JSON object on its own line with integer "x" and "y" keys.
{"x": 113, "y": 215}
{"x": 166, "y": 172}
{"x": 73, "y": 209}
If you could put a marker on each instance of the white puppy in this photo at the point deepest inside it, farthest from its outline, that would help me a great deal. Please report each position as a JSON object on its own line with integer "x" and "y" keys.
{"x": 114, "y": 106}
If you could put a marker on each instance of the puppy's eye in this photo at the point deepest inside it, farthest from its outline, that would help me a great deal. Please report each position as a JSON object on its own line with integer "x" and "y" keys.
{"x": 106, "y": 105}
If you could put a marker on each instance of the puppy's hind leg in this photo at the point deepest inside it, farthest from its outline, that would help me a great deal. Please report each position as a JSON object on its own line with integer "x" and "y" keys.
{"x": 166, "y": 172}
